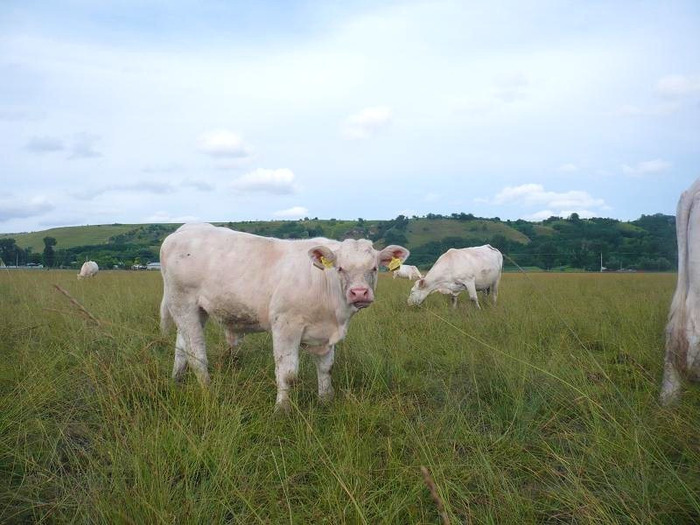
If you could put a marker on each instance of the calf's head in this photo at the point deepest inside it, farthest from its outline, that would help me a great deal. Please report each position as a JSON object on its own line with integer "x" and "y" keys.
{"x": 357, "y": 263}
{"x": 418, "y": 293}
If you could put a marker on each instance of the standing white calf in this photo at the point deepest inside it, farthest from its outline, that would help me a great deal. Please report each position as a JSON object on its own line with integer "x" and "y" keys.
{"x": 407, "y": 271}
{"x": 456, "y": 270}
{"x": 683, "y": 328}
{"x": 88, "y": 269}
{"x": 302, "y": 291}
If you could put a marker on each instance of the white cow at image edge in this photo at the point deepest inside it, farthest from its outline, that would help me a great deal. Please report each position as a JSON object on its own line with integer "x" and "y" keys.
{"x": 88, "y": 269}
{"x": 683, "y": 328}
{"x": 406, "y": 271}
{"x": 456, "y": 270}
{"x": 302, "y": 291}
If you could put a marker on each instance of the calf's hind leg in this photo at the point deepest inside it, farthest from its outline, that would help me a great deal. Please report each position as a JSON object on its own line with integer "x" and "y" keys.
{"x": 494, "y": 289}
{"x": 180, "y": 357}
{"x": 190, "y": 346}
{"x": 471, "y": 290}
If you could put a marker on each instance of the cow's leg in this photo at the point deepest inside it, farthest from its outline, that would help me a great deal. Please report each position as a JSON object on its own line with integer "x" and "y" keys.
{"x": 180, "y": 357}
{"x": 324, "y": 357}
{"x": 285, "y": 345}
{"x": 494, "y": 290}
{"x": 393, "y": 275}
{"x": 671, "y": 383}
{"x": 454, "y": 300}
{"x": 471, "y": 290}
{"x": 190, "y": 323}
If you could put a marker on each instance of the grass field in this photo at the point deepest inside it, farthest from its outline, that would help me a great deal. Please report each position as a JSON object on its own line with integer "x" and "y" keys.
{"x": 541, "y": 409}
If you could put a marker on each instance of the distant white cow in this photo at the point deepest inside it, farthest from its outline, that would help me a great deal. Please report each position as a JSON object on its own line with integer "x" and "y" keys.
{"x": 302, "y": 291}
{"x": 683, "y": 328}
{"x": 407, "y": 271}
{"x": 456, "y": 270}
{"x": 88, "y": 269}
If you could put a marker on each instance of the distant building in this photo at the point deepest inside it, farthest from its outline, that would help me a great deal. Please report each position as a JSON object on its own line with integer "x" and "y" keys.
{"x": 153, "y": 266}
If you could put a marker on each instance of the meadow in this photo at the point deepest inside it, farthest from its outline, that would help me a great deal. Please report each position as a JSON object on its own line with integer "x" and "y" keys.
{"x": 542, "y": 409}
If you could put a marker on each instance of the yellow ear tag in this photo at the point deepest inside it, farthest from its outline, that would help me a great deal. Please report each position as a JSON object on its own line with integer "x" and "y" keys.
{"x": 325, "y": 262}
{"x": 394, "y": 264}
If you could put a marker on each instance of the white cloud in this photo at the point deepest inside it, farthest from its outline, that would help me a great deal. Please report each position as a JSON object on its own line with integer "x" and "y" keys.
{"x": 535, "y": 194}
{"x": 678, "y": 85}
{"x": 12, "y": 208}
{"x": 224, "y": 144}
{"x": 155, "y": 187}
{"x": 646, "y": 167}
{"x": 163, "y": 216}
{"x": 44, "y": 144}
{"x": 278, "y": 182}
{"x": 568, "y": 168}
{"x": 170, "y": 167}
{"x": 366, "y": 123}
{"x": 295, "y": 212}
{"x": 656, "y": 110}
{"x": 20, "y": 115}
{"x": 431, "y": 196}
{"x": 84, "y": 146}
{"x": 198, "y": 184}
{"x": 512, "y": 87}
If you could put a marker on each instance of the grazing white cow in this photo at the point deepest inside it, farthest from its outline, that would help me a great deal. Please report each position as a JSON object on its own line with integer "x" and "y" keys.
{"x": 407, "y": 271}
{"x": 456, "y": 270}
{"x": 302, "y": 291}
{"x": 88, "y": 269}
{"x": 683, "y": 328}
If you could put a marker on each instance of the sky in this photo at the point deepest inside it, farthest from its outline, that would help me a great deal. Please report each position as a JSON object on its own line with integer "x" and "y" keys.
{"x": 133, "y": 111}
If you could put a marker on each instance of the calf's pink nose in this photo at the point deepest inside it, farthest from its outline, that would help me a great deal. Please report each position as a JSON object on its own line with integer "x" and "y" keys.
{"x": 360, "y": 294}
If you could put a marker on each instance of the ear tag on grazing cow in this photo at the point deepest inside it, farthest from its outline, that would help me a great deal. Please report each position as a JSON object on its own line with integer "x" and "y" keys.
{"x": 325, "y": 262}
{"x": 394, "y": 264}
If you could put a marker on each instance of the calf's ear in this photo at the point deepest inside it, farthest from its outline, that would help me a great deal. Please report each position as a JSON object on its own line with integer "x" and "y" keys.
{"x": 322, "y": 257}
{"x": 393, "y": 256}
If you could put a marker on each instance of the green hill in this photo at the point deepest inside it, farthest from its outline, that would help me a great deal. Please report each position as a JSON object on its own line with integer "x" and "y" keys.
{"x": 556, "y": 243}
{"x": 70, "y": 236}
{"x": 419, "y": 231}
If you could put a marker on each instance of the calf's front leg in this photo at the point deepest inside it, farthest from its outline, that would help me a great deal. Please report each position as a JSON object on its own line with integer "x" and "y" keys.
{"x": 285, "y": 346}
{"x": 324, "y": 357}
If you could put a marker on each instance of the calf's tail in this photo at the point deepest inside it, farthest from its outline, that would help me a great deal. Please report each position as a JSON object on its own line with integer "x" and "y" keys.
{"x": 166, "y": 320}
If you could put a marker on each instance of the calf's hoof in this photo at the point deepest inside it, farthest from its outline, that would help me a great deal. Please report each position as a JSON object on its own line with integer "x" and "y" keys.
{"x": 283, "y": 407}
{"x": 327, "y": 396}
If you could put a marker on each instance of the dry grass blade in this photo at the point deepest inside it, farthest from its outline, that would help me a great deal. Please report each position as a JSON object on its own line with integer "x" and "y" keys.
{"x": 434, "y": 494}
{"x": 79, "y": 306}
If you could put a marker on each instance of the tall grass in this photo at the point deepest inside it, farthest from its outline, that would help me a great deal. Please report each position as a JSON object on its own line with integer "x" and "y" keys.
{"x": 541, "y": 409}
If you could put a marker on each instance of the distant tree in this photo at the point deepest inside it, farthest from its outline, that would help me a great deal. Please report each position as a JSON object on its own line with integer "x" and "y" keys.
{"x": 9, "y": 251}
{"x": 401, "y": 222}
{"x": 499, "y": 241}
{"x": 49, "y": 254}
{"x": 395, "y": 237}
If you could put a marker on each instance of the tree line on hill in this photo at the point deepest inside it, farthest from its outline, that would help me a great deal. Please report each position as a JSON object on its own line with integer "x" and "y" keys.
{"x": 648, "y": 243}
